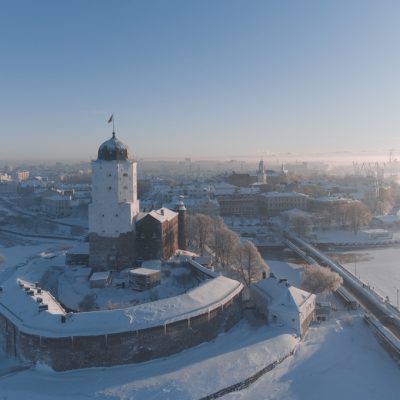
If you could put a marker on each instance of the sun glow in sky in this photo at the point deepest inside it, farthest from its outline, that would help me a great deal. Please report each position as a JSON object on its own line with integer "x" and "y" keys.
{"x": 195, "y": 79}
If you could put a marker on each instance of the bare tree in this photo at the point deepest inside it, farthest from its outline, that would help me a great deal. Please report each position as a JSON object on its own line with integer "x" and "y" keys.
{"x": 339, "y": 213}
{"x": 300, "y": 222}
{"x": 199, "y": 231}
{"x": 358, "y": 215}
{"x": 225, "y": 244}
{"x": 383, "y": 207}
{"x": 317, "y": 279}
{"x": 249, "y": 264}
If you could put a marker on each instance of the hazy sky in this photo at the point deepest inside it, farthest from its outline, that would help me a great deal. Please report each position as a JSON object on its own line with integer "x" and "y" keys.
{"x": 199, "y": 78}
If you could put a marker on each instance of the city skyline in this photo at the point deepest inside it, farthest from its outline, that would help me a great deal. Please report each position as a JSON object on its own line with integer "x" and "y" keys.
{"x": 223, "y": 79}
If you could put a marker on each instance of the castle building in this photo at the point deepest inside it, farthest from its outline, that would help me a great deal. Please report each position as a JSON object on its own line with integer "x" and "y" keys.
{"x": 114, "y": 207}
{"x": 157, "y": 234}
{"x": 181, "y": 209}
{"x": 120, "y": 237}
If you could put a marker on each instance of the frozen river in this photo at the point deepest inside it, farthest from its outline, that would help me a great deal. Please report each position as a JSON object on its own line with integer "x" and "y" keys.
{"x": 380, "y": 268}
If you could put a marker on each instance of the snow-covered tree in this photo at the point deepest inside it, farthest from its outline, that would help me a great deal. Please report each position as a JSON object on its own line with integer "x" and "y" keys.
{"x": 357, "y": 215}
{"x": 299, "y": 221}
{"x": 317, "y": 279}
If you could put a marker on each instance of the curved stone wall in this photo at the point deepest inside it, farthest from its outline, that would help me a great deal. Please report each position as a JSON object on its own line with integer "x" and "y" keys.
{"x": 71, "y": 352}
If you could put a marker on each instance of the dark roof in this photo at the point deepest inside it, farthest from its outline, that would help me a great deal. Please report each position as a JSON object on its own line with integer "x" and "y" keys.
{"x": 113, "y": 149}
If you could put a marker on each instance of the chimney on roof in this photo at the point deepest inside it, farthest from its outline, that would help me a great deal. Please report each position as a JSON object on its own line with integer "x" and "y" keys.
{"x": 162, "y": 211}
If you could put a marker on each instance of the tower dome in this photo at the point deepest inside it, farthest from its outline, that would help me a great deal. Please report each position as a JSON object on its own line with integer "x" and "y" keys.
{"x": 113, "y": 149}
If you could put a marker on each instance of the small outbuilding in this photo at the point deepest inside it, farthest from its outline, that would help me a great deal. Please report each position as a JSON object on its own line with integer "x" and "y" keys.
{"x": 144, "y": 278}
{"x": 78, "y": 255}
{"x": 283, "y": 304}
{"x": 100, "y": 279}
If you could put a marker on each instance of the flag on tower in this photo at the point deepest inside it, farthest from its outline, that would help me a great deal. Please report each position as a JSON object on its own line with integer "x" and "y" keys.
{"x": 111, "y": 118}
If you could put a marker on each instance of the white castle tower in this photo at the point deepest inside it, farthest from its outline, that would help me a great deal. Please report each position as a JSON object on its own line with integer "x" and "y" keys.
{"x": 114, "y": 207}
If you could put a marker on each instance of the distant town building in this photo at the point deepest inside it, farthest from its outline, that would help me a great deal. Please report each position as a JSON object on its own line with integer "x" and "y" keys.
{"x": 21, "y": 175}
{"x": 261, "y": 175}
{"x": 57, "y": 206}
{"x": 327, "y": 203}
{"x": 239, "y": 202}
{"x": 273, "y": 203}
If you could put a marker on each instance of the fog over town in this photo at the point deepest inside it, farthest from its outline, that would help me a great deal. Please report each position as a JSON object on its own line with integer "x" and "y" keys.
{"x": 200, "y": 200}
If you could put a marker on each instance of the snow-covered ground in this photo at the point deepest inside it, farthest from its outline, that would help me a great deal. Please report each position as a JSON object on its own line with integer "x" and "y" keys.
{"x": 340, "y": 359}
{"x": 191, "y": 374}
{"x": 340, "y": 236}
{"x": 73, "y": 288}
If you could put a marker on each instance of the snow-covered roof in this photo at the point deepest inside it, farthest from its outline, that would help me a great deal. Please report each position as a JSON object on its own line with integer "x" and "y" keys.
{"x": 388, "y": 218}
{"x": 281, "y": 293}
{"x": 162, "y": 214}
{"x": 80, "y": 248}
{"x": 100, "y": 276}
{"x": 236, "y": 191}
{"x": 143, "y": 271}
{"x": 22, "y": 310}
{"x": 332, "y": 199}
{"x": 284, "y": 194}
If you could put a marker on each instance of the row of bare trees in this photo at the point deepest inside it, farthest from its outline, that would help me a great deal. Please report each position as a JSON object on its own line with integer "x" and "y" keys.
{"x": 240, "y": 260}
{"x": 352, "y": 215}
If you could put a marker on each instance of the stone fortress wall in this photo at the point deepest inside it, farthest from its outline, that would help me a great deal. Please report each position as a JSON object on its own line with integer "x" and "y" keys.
{"x": 71, "y": 352}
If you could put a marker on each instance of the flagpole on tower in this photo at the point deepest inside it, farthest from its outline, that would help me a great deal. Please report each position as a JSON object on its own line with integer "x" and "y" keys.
{"x": 111, "y": 119}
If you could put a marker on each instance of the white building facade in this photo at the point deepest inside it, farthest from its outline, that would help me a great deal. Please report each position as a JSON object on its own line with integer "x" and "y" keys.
{"x": 114, "y": 207}
{"x": 283, "y": 304}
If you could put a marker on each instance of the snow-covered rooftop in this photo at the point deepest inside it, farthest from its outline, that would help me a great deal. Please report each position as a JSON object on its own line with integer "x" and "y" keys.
{"x": 99, "y": 276}
{"x": 80, "y": 248}
{"x": 144, "y": 271}
{"x": 163, "y": 214}
{"x": 281, "y": 293}
{"x": 284, "y": 194}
